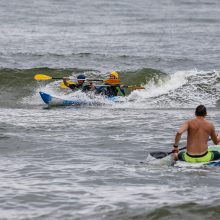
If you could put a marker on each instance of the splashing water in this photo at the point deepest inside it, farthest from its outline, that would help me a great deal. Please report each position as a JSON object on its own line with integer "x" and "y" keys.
{"x": 183, "y": 89}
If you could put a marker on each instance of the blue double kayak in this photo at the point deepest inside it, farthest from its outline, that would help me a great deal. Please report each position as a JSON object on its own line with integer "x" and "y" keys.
{"x": 51, "y": 100}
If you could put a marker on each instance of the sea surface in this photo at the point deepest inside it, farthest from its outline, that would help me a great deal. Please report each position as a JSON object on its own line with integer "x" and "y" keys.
{"x": 89, "y": 162}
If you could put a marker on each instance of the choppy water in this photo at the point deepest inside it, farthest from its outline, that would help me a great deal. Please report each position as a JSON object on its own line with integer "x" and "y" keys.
{"x": 84, "y": 162}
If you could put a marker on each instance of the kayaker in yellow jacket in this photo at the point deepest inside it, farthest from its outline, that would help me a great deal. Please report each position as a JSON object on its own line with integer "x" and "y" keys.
{"x": 112, "y": 89}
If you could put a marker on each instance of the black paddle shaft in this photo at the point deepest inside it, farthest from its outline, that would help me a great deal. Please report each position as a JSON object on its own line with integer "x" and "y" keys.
{"x": 100, "y": 80}
{"x": 160, "y": 155}
{"x": 57, "y": 78}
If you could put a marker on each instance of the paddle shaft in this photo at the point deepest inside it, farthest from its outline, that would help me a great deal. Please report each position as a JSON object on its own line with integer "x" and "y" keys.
{"x": 123, "y": 86}
{"x": 57, "y": 78}
{"x": 160, "y": 154}
{"x": 98, "y": 80}
{"x": 46, "y": 77}
{"x": 179, "y": 150}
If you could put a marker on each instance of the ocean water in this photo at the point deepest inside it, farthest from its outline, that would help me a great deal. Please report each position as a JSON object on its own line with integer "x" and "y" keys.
{"x": 88, "y": 162}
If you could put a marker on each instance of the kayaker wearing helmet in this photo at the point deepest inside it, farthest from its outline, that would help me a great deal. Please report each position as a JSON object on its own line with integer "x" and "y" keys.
{"x": 112, "y": 90}
{"x": 79, "y": 84}
{"x": 198, "y": 132}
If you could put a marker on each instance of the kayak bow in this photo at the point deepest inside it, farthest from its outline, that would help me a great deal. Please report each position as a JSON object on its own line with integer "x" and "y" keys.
{"x": 51, "y": 100}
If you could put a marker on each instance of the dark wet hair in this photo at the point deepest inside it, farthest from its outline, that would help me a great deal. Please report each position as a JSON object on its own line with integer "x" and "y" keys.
{"x": 200, "y": 110}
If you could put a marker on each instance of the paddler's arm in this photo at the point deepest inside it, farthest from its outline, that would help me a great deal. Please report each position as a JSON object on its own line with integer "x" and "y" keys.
{"x": 65, "y": 81}
{"x": 121, "y": 88}
{"x": 71, "y": 86}
{"x": 179, "y": 133}
{"x": 218, "y": 138}
{"x": 215, "y": 138}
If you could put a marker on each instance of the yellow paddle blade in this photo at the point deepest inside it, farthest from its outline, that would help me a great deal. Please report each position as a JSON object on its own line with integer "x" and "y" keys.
{"x": 135, "y": 87}
{"x": 112, "y": 81}
{"x": 63, "y": 86}
{"x": 42, "y": 77}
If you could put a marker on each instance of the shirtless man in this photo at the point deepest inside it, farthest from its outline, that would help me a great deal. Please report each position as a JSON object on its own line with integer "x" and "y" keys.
{"x": 198, "y": 132}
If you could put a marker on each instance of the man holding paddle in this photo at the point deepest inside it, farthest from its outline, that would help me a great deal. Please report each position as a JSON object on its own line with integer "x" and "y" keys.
{"x": 198, "y": 132}
{"x": 79, "y": 84}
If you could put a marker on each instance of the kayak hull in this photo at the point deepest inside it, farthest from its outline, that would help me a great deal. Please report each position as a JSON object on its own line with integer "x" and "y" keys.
{"x": 57, "y": 101}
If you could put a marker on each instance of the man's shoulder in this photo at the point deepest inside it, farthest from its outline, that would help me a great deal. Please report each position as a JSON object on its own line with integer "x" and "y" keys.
{"x": 209, "y": 122}
{"x": 189, "y": 120}
{"x": 205, "y": 121}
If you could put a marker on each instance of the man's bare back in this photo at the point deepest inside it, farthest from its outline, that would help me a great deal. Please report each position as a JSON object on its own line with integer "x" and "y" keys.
{"x": 198, "y": 132}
